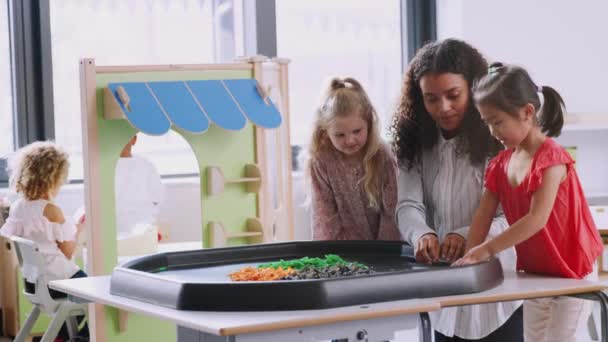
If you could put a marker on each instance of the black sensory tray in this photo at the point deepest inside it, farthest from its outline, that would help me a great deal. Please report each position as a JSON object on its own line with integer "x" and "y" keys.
{"x": 198, "y": 280}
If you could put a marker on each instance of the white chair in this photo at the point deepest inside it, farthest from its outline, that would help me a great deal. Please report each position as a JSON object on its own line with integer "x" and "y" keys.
{"x": 61, "y": 310}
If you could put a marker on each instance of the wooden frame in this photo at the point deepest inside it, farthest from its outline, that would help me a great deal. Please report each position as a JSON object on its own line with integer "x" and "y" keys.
{"x": 272, "y": 223}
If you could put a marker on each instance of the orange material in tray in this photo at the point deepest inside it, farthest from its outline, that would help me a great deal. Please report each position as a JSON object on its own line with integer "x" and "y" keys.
{"x": 260, "y": 274}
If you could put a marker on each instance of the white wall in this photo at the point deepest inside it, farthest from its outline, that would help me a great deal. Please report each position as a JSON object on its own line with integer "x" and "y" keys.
{"x": 591, "y": 161}
{"x": 302, "y": 214}
{"x": 562, "y": 44}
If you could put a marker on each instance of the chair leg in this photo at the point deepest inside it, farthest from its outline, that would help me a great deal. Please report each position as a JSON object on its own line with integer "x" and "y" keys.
{"x": 53, "y": 329}
{"x": 72, "y": 324}
{"x": 24, "y": 332}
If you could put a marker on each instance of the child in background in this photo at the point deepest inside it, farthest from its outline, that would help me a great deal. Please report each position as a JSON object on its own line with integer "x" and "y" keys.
{"x": 536, "y": 184}
{"x": 139, "y": 191}
{"x": 353, "y": 174}
{"x": 37, "y": 172}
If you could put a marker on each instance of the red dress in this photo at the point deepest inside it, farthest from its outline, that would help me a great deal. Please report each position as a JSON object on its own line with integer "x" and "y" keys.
{"x": 570, "y": 243}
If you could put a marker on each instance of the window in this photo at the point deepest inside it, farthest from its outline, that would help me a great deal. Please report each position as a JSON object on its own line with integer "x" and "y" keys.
{"x": 6, "y": 98}
{"x": 357, "y": 38}
{"x": 126, "y": 33}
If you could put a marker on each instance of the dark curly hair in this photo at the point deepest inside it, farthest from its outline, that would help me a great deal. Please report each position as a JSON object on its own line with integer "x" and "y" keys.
{"x": 413, "y": 129}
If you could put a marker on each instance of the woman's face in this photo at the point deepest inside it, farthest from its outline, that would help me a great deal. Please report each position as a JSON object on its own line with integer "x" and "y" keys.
{"x": 446, "y": 98}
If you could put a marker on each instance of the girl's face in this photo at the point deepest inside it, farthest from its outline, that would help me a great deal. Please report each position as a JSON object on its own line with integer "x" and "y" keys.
{"x": 348, "y": 133}
{"x": 510, "y": 130}
{"x": 446, "y": 98}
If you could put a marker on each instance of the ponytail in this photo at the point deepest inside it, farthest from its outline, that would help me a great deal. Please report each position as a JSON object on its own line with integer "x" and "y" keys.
{"x": 509, "y": 87}
{"x": 551, "y": 117}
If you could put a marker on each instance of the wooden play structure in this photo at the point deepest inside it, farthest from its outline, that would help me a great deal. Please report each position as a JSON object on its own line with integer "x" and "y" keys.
{"x": 234, "y": 117}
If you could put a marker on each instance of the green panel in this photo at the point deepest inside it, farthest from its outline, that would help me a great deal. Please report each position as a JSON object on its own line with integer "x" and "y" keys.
{"x": 139, "y": 328}
{"x": 228, "y": 150}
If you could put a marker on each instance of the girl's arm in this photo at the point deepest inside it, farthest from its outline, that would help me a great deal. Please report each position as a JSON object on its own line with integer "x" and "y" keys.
{"x": 482, "y": 219}
{"x": 326, "y": 221}
{"x": 535, "y": 220}
{"x": 388, "y": 224}
{"x": 54, "y": 214}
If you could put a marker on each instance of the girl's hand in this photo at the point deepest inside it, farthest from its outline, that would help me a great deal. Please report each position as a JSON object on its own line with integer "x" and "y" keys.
{"x": 452, "y": 247}
{"x": 474, "y": 256}
{"x": 427, "y": 250}
{"x": 80, "y": 225}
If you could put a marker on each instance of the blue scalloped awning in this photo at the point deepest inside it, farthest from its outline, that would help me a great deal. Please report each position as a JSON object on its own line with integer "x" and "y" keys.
{"x": 152, "y": 107}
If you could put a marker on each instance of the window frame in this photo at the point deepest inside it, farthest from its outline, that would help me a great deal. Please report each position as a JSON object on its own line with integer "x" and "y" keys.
{"x": 32, "y": 65}
{"x": 31, "y": 74}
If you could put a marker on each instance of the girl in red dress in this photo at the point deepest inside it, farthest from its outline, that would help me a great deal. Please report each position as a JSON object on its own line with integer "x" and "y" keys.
{"x": 535, "y": 182}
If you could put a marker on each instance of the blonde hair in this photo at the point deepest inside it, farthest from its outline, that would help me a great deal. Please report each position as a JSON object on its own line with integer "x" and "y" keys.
{"x": 37, "y": 169}
{"x": 345, "y": 96}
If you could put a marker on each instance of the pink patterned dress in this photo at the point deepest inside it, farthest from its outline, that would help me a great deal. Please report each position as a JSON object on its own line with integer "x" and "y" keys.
{"x": 341, "y": 209}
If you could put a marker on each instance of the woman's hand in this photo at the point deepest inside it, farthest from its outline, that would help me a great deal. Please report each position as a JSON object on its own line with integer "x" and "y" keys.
{"x": 427, "y": 250}
{"x": 452, "y": 247}
{"x": 474, "y": 256}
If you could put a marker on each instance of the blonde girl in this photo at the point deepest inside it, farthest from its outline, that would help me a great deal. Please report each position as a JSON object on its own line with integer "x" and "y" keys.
{"x": 353, "y": 173}
{"x": 535, "y": 182}
{"x": 37, "y": 172}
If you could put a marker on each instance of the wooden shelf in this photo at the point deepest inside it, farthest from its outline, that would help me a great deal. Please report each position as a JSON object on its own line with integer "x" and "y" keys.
{"x": 219, "y": 235}
{"x": 216, "y": 180}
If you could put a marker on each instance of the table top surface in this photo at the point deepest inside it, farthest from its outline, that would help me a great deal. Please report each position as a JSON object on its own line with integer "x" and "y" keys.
{"x": 515, "y": 286}
{"x": 224, "y": 323}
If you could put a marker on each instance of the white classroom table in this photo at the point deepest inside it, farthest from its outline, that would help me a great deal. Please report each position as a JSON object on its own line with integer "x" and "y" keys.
{"x": 372, "y": 322}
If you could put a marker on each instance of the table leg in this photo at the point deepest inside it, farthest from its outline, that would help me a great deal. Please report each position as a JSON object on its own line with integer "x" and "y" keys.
{"x": 425, "y": 332}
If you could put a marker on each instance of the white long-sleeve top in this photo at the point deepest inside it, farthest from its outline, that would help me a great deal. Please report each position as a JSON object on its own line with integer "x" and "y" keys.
{"x": 139, "y": 192}
{"x": 439, "y": 195}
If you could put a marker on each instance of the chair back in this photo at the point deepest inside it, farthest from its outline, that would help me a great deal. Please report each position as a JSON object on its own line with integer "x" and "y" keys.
{"x": 33, "y": 269}
{"x": 29, "y": 257}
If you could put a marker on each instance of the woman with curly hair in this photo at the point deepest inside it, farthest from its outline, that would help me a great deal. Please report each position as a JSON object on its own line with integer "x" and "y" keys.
{"x": 442, "y": 147}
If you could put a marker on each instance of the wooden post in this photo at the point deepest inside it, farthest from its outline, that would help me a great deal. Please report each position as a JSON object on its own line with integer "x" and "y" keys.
{"x": 265, "y": 194}
{"x": 284, "y": 141}
{"x": 92, "y": 184}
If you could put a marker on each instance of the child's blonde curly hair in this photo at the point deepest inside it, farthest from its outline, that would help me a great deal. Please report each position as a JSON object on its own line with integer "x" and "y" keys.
{"x": 38, "y": 169}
